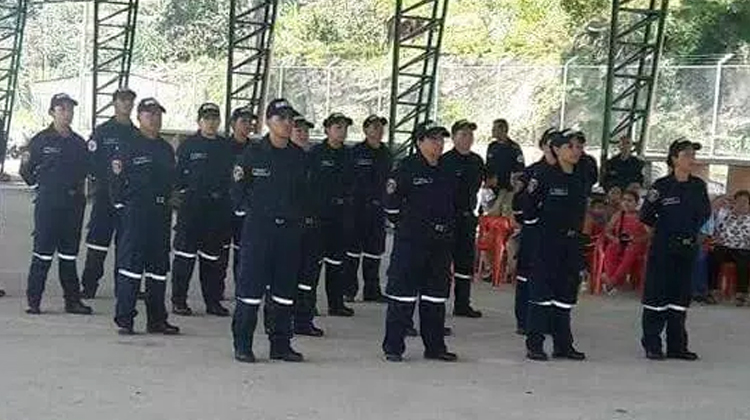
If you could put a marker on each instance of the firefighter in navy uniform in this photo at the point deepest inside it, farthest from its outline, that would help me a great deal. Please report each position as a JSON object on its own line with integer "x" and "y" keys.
{"x": 57, "y": 163}
{"x": 371, "y": 164}
{"x": 587, "y": 166}
{"x": 529, "y": 234}
{"x": 243, "y": 124}
{"x": 311, "y": 246}
{"x": 104, "y": 143}
{"x": 504, "y": 161}
{"x": 468, "y": 168}
{"x": 272, "y": 178}
{"x": 204, "y": 169}
{"x": 331, "y": 176}
{"x": 624, "y": 169}
{"x": 420, "y": 201}
{"x": 675, "y": 208}
{"x": 142, "y": 180}
{"x": 557, "y": 196}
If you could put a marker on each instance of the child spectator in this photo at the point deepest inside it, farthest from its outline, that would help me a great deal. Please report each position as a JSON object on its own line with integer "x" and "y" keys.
{"x": 626, "y": 243}
{"x": 593, "y": 227}
{"x": 614, "y": 196}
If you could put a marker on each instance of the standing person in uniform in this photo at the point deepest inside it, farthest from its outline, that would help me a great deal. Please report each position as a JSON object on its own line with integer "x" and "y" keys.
{"x": 57, "y": 163}
{"x": 504, "y": 163}
{"x": 529, "y": 235}
{"x": 371, "y": 162}
{"x": 587, "y": 166}
{"x": 143, "y": 174}
{"x": 624, "y": 169}
{"x": 311, "y": 252}
{"x": 675, "y": 208}
{"x": 420, "y": 201}
{"x": 468, "y": 168}
{"x": 271, "y": 177}
{"x": 330, "y": 167}
{"x": 556, "y": 196}
{"x": 204, "y": 168}
{"x": 243, "y": 124}
{"x": 104, "y": 143}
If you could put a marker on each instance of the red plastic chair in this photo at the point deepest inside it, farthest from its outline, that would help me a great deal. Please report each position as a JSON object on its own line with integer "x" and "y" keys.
{"x": 728, "y": 280}
{"x": 494, "y": 232}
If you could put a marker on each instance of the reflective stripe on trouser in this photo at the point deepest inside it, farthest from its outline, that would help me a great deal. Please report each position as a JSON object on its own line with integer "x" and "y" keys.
{"x": 365, "y": 246}
{"x": 194, "y": 242}
{"x": 56, "y": 228}
{"x": 667, "y": 294}
{"x": 417, "y": 270}
{"x": 308, "y": 277}
{"x": 463, "y": 261}
{"x": 332, "y": 231}
{"x": 142, "y": 252}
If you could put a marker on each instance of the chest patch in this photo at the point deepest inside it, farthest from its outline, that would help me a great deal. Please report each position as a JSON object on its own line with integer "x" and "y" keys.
{"x": 198, "y": 156}
{"x": 558, "y": 192}
{"x": 327, "y": 163}
{"x": 364, "y": 162}
{"x": 142, "y": 160}
{"x": 417, "y": 181}
{"x": 51, "y": 150}
{"x": 110, "y": 141}
{"x": 261, "y": 172}
{"x": 670, "y": 201}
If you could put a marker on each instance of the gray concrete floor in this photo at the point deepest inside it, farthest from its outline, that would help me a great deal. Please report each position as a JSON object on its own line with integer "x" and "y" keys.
{"x": 59, "y": 366}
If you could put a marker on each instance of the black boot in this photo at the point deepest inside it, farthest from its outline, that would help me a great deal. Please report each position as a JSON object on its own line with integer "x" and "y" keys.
{"x": 538, "y": 322}
{"x": 180, "y": 307}
{"x": 677, "y": 337}
{"x": 461, "y": 302}
{"x": 77, "y": 307}
{"x": 280, "y": 326}
{"x": 92, "y": 272}
{"x": 563, "y": 337}
{"x": 371, "y": 276}
{"x": 653, "y": 324}
{"x": 244, "y": 320}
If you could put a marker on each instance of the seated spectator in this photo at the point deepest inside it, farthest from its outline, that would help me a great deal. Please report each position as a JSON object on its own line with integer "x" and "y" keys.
{"x": 593, "y": 226}
{"x": 623, "y": 169}
{"x": 627, "y": 239}
{"x": 732, "y": 241}
{"x": 720, "y": 206}
{"x": 614, "y": 197}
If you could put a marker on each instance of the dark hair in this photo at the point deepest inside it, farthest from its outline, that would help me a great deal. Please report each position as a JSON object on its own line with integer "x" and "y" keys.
{"x": 742, "y": 193}
{"x": 633, "y": 194}
{"x": 597, "y": 200}
{"x": 501, "y": 121}
{"x": 546, "y": 136}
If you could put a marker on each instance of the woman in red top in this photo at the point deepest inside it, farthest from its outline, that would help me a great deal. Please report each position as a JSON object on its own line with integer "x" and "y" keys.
{"x": 626, "y": 243}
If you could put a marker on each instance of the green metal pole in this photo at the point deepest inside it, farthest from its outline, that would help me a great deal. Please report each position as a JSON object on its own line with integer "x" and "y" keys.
{"x": 614, "y": 24}
{"x": 645, "y": 129}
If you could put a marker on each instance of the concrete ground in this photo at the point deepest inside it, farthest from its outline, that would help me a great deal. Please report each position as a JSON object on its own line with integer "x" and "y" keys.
{"x": 59, "y": 366}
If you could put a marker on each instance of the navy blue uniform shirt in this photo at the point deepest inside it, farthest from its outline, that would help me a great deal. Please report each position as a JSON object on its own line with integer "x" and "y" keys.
{"x": 557, "y": 199}
{"x": 143, "y": 172}
{"x": 330, "y": 176}
{"x": 204, "y": 166}
{"x": 370, "y": 168}
{"x": 504, "y": 159}
{"x": 676, "y": 208}
{"x": 469, "y": 172}
{"x": 420, "y": 198}
{"x": 104, "y": 144}
{"x": 56, "y": 164}
{"x": 272, "y": 180}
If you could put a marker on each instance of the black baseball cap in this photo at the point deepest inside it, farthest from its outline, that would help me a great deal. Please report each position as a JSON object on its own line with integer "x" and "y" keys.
{"x": 573, "y": 134}
{"x": 429, "y": 129}
{"x": 300, "y": 121}
{"x": 243, "y": 112}
{"x": 337, "y": 118}
{"x": 61, "y": 98}
{"x": 558, "y": 139}
{"x": 372, "y": 119}
{"x": 462, "y": 125}
{"x": 150, "y": 105}
{"x": 546, "y": 136}
{"x": 209, "y": 109}
{"x": 280, "y": 107}
{"x": 679, "y": 145}
{"x": 124, "y": 92}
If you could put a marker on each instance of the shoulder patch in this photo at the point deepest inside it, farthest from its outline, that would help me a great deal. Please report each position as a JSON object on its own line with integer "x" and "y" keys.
{"x": 91, "y": 145}
{"x": 390, "y": 186}
{"x": 652, "y": 195}
{"x": 238, "y": 173}
{"x": 116, "y": 166}
{"x": 519, "y": 159}
{"x": 532, "y": 185}
{"x": 25, "y": 157}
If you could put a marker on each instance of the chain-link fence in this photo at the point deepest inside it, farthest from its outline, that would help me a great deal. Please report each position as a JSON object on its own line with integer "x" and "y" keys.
{"x": 707, "y": 103}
